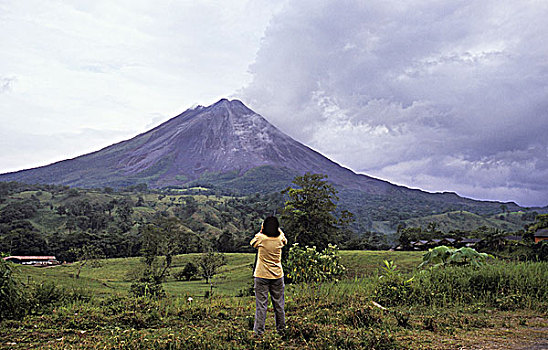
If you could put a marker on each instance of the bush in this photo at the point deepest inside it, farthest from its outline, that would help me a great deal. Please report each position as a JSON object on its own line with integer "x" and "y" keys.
{"x": 247, "y": 291}
{"x": 309, "y": 265}
{"x": 187, "y": 273}
{"x": 444, "y": 256}
{"x": 12, "y": 301}
{"x": 43, "y": 296}
{"x": 393, "y": 289}
{"x": 147, "y": 287}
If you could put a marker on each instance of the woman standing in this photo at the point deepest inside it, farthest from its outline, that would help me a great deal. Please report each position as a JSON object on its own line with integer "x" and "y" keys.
{"x": 268, "y": 274}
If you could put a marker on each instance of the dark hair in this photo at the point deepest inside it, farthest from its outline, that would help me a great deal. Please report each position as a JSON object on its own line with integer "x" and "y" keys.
{"x": 271, "y": 226}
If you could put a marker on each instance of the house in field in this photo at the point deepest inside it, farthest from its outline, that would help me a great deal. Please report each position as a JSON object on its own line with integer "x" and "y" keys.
{"x": 541, "y": 235}
{"x": 442, "y": 241}
{"x": 419, "y": 245}
{"x": 469, "y": 242}
{"x": 33, "y": 260}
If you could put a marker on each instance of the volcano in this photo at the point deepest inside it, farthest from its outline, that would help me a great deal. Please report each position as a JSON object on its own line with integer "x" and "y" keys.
{"x": 226, "y": 141}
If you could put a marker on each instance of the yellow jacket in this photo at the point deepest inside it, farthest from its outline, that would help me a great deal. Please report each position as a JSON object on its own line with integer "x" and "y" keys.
{"x": 269, "y": 256}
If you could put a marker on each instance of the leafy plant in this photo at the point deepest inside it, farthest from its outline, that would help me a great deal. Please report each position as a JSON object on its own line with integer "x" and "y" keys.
{"x": 147, "y": 287}
{"x": 443, "y": 256}
{"x": 388, "y": 268}
{"x": 12, "y": 301}
{"x": 308, "y": 265}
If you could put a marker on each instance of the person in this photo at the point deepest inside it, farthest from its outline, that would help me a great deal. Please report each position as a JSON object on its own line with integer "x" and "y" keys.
{"x": 269, "y": 275}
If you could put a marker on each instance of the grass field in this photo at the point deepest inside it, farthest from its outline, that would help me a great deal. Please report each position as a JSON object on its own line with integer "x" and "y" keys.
{"x": 114, "y": 276}
{"x": 325, "y": 316}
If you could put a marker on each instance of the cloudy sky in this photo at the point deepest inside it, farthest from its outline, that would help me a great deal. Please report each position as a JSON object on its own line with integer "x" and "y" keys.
{"x": 437, "y": 95}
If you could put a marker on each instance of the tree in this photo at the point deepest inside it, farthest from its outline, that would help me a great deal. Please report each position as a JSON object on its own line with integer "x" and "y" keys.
{"x": 209, "y": 264}
{"x": 504, "y": 208}
{"x": 87, "y": 254}
{"x": 124, "y": 211}
{"x": 18, "y": 211}
{"x": 541, "y": 222}
{"x": 309, "y": 213}
{"x": 225, "y": 242}
{"x": 163, "y": 238}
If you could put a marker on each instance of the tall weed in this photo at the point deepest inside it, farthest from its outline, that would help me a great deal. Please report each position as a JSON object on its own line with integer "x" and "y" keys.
{"x": 501, "y": 284}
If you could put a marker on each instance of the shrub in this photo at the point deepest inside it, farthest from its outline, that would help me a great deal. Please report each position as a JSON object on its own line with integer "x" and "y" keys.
{"x": 147, "y": 287}
{"x": 187, "y": 273}
{"x": 393, "y": 289}
{"x": 443, "y": 256}
{"x": 44, "y": 295}
{"x": 247, "y": 291}
{"x": 12, "y": 300}
{"x": 309, "y": 265}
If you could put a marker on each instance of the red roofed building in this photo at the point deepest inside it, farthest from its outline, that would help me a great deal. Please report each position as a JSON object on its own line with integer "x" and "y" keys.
{"x": 32, "y": 260}
{"x": 541, "y": 235}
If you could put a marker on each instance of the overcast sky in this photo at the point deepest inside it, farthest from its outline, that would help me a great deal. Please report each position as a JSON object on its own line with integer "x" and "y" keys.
{"x": 437, "y": 95}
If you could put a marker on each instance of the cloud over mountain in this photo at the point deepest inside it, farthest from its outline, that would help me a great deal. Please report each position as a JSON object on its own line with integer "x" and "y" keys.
{"x": 437, "y": 95}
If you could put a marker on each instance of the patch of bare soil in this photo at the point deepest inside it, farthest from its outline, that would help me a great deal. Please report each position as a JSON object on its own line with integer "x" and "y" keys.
{"x": 529, "y": 334}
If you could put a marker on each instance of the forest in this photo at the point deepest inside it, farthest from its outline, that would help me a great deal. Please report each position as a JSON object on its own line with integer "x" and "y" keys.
{"x": 59, "y": 220}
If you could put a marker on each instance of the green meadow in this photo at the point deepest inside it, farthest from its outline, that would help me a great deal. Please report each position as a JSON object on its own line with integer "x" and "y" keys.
{"x": 501, "y": 305}
{"x": 114, "y": 276}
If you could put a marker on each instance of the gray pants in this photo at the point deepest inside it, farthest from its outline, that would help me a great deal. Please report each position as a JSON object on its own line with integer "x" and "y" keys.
{"x": 276, "y": 288}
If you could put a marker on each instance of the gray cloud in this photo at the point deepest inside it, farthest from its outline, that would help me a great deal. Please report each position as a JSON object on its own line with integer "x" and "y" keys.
{"x": 444, "y": 96}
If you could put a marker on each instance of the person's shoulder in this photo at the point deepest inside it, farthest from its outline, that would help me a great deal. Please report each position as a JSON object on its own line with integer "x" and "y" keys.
{"x": 260, "y": 236}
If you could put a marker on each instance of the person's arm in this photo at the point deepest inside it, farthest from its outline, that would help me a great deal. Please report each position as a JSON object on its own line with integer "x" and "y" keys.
{"x": 255, "y": 241}
{"x": 282, "y": 234}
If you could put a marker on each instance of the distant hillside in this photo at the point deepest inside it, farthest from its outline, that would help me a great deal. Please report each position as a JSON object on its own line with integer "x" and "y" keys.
{"x": 52, "y": 219}
{"x": 467, "y": 222}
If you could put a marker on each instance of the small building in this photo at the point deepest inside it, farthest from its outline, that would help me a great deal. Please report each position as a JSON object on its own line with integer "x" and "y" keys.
{"x": 469, "y": 242}
{"x": 445, "y": 241}
{"x": 541, "y": 235}
{"x": 514, "y": 238}
{"x": 33, "y": 260}
{"x": 419, "y": 245}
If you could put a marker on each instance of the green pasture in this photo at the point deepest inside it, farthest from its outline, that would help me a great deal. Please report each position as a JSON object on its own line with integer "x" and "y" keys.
{"x": 446, "y": 308}
{"x": 114, "y": 276}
